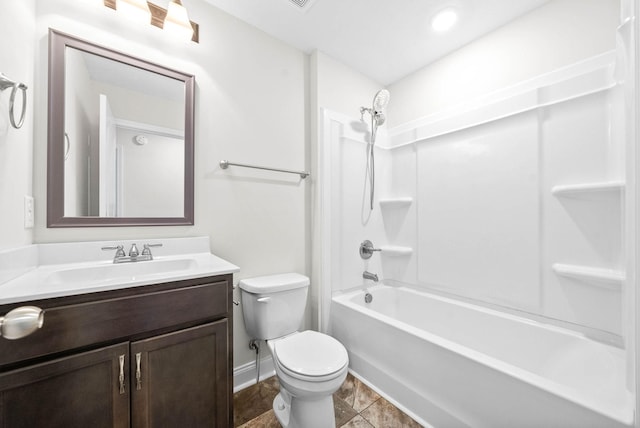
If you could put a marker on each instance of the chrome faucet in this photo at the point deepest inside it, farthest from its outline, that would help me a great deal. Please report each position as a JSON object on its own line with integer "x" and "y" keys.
{"x": 134, "y": 253}
{"x": 369, "y": 275}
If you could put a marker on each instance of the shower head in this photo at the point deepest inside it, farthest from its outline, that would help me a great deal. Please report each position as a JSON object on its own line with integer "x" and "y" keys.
{"x": 381, "y": 100}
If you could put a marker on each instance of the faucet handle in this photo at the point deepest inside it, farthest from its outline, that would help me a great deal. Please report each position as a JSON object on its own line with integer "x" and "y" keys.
{"x": 367, "y": 249}
{"x": 119, "y": 250}
{"x": 146, "y": 249}
{"x": 133, "y": 252}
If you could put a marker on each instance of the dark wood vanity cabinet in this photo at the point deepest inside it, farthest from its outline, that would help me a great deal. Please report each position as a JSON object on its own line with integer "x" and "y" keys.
{"x": 153, "y": 356}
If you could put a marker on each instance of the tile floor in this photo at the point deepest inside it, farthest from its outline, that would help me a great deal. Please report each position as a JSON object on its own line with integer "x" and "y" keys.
{"x": 355, "y": 404}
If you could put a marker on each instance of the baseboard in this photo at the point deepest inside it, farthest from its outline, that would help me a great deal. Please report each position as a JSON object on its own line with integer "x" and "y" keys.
{"x": 245, "y": 375}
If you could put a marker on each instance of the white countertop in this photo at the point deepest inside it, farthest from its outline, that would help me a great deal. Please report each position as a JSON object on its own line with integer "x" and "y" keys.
{"x": 38, "y": 271}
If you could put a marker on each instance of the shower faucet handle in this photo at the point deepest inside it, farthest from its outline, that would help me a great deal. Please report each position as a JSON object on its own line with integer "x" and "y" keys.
{"x": 367, "y": 249}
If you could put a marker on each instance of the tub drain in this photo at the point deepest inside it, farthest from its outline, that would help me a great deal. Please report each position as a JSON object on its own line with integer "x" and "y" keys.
{"x": 368, "y": 298}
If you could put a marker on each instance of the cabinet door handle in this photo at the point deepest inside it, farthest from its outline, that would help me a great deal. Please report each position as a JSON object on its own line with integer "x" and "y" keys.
{"x": 121, "y": 376}
{"x": 138, "y": 373}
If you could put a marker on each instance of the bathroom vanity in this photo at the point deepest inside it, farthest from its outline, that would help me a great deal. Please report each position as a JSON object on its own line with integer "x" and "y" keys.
{"x": 147, "y": 355}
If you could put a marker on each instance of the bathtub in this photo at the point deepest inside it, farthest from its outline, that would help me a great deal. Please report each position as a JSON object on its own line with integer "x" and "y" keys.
{"x": 453, "y": 364}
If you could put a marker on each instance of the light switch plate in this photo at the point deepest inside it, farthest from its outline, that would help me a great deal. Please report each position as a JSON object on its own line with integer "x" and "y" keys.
{"x": 28, "y": 212}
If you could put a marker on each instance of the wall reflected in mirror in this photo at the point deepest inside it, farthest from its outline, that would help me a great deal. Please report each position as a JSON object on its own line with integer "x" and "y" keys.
{"x": 125, "y": 131}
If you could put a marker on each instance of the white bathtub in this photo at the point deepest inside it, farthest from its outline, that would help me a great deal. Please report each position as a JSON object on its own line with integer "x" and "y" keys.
{"x": 453, "y": 364}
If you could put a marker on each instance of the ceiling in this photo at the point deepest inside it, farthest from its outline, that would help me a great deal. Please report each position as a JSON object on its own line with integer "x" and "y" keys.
{"x": 383, "y": 39}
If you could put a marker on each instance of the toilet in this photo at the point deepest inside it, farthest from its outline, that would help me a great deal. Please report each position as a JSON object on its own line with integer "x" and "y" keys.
{"x": 310, "y": 366}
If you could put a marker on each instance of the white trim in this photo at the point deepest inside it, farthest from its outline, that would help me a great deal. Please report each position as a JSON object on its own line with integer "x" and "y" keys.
{"x": 584, "y": 78}
{"x": 152, "y": 129}
{"x": 632, "y": 219}
{"x": 245, "y": 375}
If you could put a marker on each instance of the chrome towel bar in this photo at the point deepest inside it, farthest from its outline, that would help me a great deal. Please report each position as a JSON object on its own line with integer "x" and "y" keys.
{"x": 5, "y": 83}
{"x": 224, "y": 164}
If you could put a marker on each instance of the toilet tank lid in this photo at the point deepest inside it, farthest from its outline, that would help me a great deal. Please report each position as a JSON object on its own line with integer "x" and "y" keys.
{"x": 274, "y": 283}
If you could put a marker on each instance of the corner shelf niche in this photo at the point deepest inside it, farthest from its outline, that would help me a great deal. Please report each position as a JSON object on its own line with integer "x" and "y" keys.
{"x": 401, "y": 202}
{"x": 570, "y": 190}
{"x": 396, "y": 251}
{"x": 607, "y": 278}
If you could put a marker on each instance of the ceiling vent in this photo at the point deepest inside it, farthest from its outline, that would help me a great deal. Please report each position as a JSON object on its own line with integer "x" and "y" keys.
{"x": 302, "y": 5}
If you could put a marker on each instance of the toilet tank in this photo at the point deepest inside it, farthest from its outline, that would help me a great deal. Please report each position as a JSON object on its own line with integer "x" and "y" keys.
{"x": 273, "y": 306}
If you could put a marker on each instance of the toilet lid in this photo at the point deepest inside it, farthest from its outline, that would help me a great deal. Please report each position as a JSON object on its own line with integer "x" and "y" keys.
{"x": 311, "y": 353}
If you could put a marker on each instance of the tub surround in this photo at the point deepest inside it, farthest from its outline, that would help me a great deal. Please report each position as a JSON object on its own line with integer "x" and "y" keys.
{"x": 514, "y": 201}
{"x": 445, "y": 191}
{"x": 46, "y": 270}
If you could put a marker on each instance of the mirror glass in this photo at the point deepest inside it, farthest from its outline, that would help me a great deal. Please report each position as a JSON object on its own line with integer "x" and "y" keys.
{"x": 120, "y": 138}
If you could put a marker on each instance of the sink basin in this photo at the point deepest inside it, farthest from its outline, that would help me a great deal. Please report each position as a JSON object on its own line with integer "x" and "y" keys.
{"x": 123, "y": 272}
{"x": 42, "y": 271}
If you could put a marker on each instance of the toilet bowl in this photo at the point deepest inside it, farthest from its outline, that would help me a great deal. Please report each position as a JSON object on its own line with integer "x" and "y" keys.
{"x": 310, "y": 366}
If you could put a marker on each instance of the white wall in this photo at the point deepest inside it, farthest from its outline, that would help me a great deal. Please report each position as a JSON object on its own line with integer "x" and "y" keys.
{"x": 79, "y": 119}
{"x": 16, "y": 145}
{"x": 558, "y": 34}
{"x": 250, "y": 107}
{"x": 149, "y": 109}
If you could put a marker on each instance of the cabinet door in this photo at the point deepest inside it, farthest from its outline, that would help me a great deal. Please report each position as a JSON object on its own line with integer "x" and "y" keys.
{"x": 82, "y": 390}
{"x": 181, "y": 379}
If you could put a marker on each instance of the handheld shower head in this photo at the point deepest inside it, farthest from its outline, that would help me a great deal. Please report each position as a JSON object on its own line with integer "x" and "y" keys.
{"x": 380, "y": 100}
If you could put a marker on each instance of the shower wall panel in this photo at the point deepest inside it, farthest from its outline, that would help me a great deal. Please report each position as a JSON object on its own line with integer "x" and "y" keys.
{"x": 478, "y": 212}
{"x": 582, "y": 229}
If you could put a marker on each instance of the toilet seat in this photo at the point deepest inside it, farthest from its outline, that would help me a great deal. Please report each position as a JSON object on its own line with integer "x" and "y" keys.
{"x": 311, "y": 356}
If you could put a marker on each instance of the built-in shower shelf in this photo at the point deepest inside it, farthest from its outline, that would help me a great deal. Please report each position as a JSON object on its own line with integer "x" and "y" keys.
{"x": 608, "y": 278}
{"x": 401, "y": 202}
{"x": 586, "y": 188}
{"x": 396, "y": 251}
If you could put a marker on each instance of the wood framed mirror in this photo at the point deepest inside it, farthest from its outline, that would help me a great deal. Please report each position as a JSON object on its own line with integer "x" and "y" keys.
{"x": 120, "y": 138}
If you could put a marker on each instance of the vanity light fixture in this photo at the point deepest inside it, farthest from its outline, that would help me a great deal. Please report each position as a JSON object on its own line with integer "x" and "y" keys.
{"x": 173, "y": 19}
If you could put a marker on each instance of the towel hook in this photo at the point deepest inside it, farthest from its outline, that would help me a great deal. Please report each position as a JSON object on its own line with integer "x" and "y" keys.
{"x": 5, "y": 83}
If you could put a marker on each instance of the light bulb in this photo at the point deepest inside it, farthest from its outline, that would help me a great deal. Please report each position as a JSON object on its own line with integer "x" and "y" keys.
{"x": 136, "y": 10}
{"x": 177, "y": 20}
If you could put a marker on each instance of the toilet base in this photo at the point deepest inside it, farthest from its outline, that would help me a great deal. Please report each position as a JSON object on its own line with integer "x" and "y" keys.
{"x": 293, "y": 412}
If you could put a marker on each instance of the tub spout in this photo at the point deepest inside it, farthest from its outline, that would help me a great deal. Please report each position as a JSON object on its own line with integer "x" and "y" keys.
{"x": 369, "y": 275}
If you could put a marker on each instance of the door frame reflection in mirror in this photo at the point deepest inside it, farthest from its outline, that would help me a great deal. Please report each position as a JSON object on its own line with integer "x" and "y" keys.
{"x": 58, "y": 42}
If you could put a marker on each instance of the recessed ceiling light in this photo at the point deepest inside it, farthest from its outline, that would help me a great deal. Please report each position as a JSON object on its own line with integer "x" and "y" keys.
{"x": 444, "y": 20}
